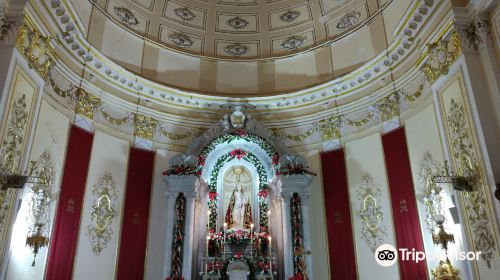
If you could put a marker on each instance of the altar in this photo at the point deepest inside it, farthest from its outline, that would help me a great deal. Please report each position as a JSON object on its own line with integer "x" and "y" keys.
{"x": 238, "y": 206}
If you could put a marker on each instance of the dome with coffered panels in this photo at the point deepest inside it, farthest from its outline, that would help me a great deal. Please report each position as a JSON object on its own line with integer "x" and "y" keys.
{"x": 241, "y": 48}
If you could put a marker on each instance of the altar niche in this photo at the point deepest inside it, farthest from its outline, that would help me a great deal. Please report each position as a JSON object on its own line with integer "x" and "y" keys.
{"x": 238, "y": 198}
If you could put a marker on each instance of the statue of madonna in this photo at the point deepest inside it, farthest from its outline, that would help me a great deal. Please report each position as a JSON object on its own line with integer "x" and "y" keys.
{"x": 239, "y": 210}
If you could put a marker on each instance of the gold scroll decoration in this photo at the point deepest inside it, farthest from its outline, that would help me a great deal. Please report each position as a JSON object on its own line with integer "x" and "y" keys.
{"x": 145, "y": 127}
{"x": 280, "y": 132}
{"x": 99, "y": 229}
{"x": 373, "y": 231}
{"x": 433, "y": 192}
{"x": 36, "y": 48}
{"x": 388, "y": 106}
{"x": 465, "y": 159}
{"x": 440, "y": 56}
{"x": 86, "y": 103}
{"x": 330, "y": 127}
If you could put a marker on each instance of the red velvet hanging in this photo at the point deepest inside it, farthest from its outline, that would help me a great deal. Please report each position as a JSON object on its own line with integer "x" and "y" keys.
{"x": 338, "y": 216}
{"x": 134, "y": 230}
{"x": 404, "y": 205}
{"x": 65, "y": 233}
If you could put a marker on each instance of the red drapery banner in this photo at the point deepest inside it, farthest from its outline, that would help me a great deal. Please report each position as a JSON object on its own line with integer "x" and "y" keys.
{"x": 338, "y": 216}
{"x": 65, "y": 233}
{"x": 134, "y": 230}
{"x": 404, "y": 204}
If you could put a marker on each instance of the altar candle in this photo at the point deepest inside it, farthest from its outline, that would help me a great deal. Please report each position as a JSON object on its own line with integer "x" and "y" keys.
{"x": 251, "y": 240}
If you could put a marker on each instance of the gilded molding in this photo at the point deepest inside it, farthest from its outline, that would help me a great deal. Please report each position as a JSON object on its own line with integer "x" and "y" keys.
{"x": 145, "y": 127}
{"x": 330, "y": 127}
{"x": 373, "y": 231}
{"x": 280, "y": 133}
{"x": 105, "y": 196}
{"x": 114, "y": 120}
{"x": 11, "y": 150}
{"x": 388, "y": 106}
{"x": 441, "y": 55}
{"x": 36, "y": 48}
{"x": 86, "y": 103}
{"x": 466, "y": 161}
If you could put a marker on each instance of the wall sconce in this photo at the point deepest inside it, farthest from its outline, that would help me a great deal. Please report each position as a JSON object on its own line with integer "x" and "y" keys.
{"x": 466, "y": 182}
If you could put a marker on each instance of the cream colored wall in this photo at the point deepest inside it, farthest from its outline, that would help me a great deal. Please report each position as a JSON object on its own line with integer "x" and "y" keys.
{"x": 109, "y": 154}
{"x": 423, "y": 136}
{"x": 319, "y": 237}
{"x": 365, "y": 157}
{"x": 157, "y": 235}
{"x": 51, "y": 134}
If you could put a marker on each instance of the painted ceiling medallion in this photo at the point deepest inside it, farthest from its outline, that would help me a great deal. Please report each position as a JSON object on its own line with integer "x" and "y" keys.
{"x": 126, "y": 15}
{"x": 184, "y": 14}
{"x": 289, "y": 16}
{"x": 237, "y": 23}
{"x": 293, "y": 43}
{"x": 236, "y": 49}
{"x": 181, "y": 40}
{"x": 348, "y": 20}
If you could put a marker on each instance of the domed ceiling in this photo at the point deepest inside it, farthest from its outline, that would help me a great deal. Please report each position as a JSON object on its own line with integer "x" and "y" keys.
{"x": 243, "y": 29}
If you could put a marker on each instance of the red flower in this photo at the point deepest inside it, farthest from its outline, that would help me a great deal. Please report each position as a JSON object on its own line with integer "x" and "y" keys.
{"x": 212, "y": 195}
{"x": 201, "y": 160}
{"x": 263, "y": 193}
{"x": 238, "y": 153}
{"x": 297, "y": 276}
{"x": 198, "y": 173}
{"x": 238, "y": 255}
{"x": 240, "y": 132}
{"x": 276, "y": 159}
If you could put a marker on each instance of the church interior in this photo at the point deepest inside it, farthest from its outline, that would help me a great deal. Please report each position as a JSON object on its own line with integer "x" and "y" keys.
{"x": 250, "y": 139}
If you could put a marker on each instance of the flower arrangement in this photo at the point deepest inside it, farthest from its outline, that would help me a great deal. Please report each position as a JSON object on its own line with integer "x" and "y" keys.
{"x": 238, "y": 255}
{"x": 294, "y": 170}
{"x": 298, "y": 276}
{"x": 214, "y": 267}
{"x": 238, "y": 153}
{"x": 240, "y": 132}
{"x": 237, "y": 236}
{"x": 182, "y": 170}
{"x": 263, "y": 265}
{"x": 276, "y": 159}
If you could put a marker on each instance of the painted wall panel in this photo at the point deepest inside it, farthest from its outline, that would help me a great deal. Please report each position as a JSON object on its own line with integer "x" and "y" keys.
{"x": 365, "y": 157}
{"x": 51, "y": 134}
{"x": 109, "y": 154}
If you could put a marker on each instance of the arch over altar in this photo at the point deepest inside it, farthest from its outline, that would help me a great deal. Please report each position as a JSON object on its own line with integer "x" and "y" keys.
{"x": 228, "y": 219}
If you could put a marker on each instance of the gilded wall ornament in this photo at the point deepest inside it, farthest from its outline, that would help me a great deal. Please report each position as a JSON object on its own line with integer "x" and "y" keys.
{"x": 145, "y": 127}
{"x": 126, "y": 16}
{"x": 465, "y": 158}
{"x": 289, "y": 16}
{"x": 180, "y": 39}
{"x": 348, "y": 20}
{"x": 184, "y": 14}
{"x": 280, "y": 133}
{"x": 293, "y": 43}
{"x": 445, "y": 271}
{"x": 36, "y": 48}
{"x": 12, "y": 142}
{"x": 114, "y": 120}
{"x": 86, "y": 103}
{"x": 373, "y": 231}
{"x": 388, "y": 107}
{"x": 237, "y": 23}
{"x": 99, "y": 229}
{"x": 440, "y": 57}
{"x": 330, "y": 127}
{"x": 433, "y": 192}
{"x": 235, "y": 49}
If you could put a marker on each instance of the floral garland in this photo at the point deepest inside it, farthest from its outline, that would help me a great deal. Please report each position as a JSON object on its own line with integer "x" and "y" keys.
{"x": 212, "y": 185}
{"x": 182, "y": 170}
{"x": 299, "y": 265}
{"x": 178, "y": 241}
{"x": 294, "y": 170}
{"x": 237, "y": 135}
